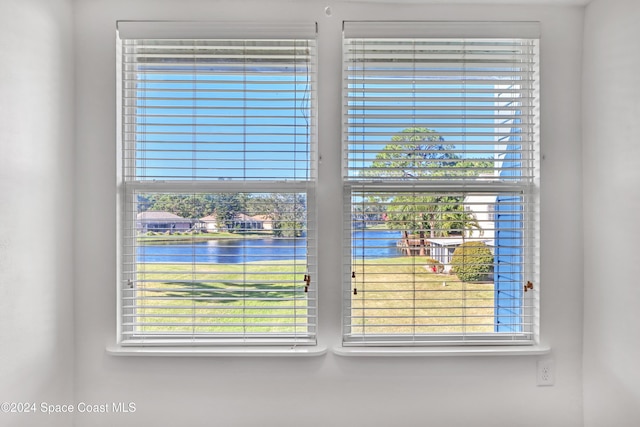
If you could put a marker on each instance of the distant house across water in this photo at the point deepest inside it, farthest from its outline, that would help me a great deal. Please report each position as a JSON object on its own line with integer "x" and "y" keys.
{"x": 267, "y": 222}
{"x": 161, "y": 222}
{"x": 209, "y": 223}
{"x": 240, "y": 222}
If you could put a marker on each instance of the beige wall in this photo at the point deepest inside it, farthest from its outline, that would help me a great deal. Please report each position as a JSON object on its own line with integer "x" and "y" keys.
{"x": 328, "y": 390}
{"x": 55, "y": 353}
{"x": 36, "y": 180}
{"x": 611, "y": 135}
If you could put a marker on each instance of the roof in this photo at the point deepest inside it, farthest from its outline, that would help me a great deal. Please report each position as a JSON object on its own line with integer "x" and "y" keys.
{"x": 264, "y": 218}
{"x": 244, "y": 217}
{"x": 160, "y": 216}
{"x": 237, "y": 217}
{"x": 458, "y": 241}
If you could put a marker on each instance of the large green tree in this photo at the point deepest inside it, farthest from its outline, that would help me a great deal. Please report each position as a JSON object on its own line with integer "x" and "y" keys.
{"x": 286, "y": 210}
{"x": 191, "y": 206}
{"x": 414, "y": 154}
{"x": 225, "y": 206}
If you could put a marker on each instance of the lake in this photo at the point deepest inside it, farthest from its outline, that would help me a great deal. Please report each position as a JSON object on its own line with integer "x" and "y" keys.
{"x": 377, "y": 244}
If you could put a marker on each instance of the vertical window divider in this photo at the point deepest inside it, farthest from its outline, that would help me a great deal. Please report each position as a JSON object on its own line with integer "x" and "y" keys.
{"x": 245, "y": 119}
{"x": 194, "y": 169}
{"x": 464, "y": 156}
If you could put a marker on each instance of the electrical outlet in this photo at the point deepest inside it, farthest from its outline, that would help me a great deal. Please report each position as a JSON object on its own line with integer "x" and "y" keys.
{"x": 546, "y": 372}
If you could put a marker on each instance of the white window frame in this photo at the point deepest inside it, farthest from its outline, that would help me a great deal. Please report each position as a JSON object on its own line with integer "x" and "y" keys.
{"x": 353, "y": 344}
{"x": 127, "y": 187}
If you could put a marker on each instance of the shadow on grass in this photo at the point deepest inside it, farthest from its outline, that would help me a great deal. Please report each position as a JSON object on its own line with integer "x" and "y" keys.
{"x": 230, "y": 293}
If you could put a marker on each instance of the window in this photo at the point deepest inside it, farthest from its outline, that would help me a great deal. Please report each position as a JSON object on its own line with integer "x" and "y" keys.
{"x": 441, "y": 178}
{"x": 217, "y": 179}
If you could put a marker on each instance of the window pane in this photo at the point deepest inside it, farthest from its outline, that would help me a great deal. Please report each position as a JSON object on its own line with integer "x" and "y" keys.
{"x": 218, "y": 109}
{"x": 216, "y": 265}
{"x": 439, "y": 109}
{"x": 436, "y": 263}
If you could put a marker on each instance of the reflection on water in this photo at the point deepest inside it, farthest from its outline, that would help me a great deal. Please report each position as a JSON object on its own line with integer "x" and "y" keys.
{"x": 374, "y": 244}
{"x": 377, "y": 244}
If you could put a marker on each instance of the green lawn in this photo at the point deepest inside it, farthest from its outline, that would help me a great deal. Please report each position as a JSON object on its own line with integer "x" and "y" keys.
{"x": 272, "y": 300}
{"x": 164, "y": 238}
{"x": 399, "y": 295}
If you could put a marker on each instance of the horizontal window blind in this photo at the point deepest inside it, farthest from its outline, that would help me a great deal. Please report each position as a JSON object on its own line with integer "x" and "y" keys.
{"x": 440, "y": 168}
{"x": 434, "y": 267}
{"x": 439, "y": 108}
{"x": 218, "y": 109}
{"x": 218, "y": 146}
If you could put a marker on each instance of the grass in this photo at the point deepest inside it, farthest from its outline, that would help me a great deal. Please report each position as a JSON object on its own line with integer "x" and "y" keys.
{"x": 400, "y": 296}
{"x": 226, "y": 298}
{"x": 394, "y": 296}
{"x": 163, "y": 238}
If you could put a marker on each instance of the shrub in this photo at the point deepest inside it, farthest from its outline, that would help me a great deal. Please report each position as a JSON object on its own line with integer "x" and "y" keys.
{"x": 472, "y": 262}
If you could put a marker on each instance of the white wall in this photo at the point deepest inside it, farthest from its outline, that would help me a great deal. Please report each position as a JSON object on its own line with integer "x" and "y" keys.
{"x": 612, "y": 208}
{"x": 36, "y": 211}
{"x": 328, "y": 390}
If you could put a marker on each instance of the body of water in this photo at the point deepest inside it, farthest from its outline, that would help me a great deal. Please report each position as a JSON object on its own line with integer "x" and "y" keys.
{"x": 376, "y": 244}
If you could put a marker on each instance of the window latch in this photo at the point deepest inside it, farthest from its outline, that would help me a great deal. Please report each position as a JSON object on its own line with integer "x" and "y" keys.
{"x": 307, "y": 280}
{"x": 528, "y": 286}
{"x": 353, "y": 276}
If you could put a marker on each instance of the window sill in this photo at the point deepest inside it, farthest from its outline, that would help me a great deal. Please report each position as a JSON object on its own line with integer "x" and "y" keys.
{"x": 535, "y": 350}
{"x": 257, "y": 351}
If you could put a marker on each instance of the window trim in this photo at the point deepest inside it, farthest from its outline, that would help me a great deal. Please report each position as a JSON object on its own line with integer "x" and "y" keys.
{"x": 218, "y": 351}
{"x": 279, "y": 344}
{"x": 535, "y": 349}
{"x": 394, "y": 346}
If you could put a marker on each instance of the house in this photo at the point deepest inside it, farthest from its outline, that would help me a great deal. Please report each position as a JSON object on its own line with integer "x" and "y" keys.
{"x": 266, "y": 221}
{"x": 244, "y": 222}
{"x": 482, "y": 209}
{"x": 442, "y": 249}
{"x": 161, "y": 222}
{"x": 59, "y": 287}
{"x": 240, "y": 222}
{"x": 209, "y": 223}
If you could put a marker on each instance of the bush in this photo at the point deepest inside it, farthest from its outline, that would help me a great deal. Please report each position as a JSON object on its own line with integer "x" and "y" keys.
{"x": 472, "y": 262}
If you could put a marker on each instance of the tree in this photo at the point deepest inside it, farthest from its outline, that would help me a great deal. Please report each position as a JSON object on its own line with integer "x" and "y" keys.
{"x": 191, "y": 206}
{"x": 419, "y": 214}
{"x": 289, "y": 214}
{"x": 414, "y": 154}
{"x": 227, "y": 207}
{"x": 286, "y": 210}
